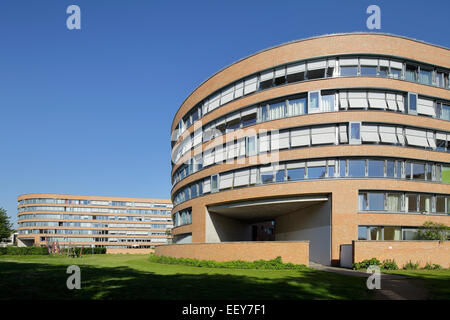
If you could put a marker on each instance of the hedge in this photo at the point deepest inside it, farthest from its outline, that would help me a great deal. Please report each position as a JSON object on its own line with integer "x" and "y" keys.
{"x": 87, "y": 250}
{"x": 274, "y": 264}
{"x": 44, "y": 250}
{"x": 10, "y": 250}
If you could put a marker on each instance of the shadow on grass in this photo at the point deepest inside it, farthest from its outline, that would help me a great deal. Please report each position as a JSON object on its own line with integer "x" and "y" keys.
{"x": 46, "y": 281}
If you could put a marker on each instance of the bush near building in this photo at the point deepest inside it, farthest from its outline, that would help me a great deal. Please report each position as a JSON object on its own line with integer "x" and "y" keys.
{"x": 274, "y": 264}
{"x": 16, "y": 251}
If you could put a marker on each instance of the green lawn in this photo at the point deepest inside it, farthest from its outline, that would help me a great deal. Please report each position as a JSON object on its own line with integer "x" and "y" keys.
{"x": 437, "y": 282}
{"x": 135, "y": 277}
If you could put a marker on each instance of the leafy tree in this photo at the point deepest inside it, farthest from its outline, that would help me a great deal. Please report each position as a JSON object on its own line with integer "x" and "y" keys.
{"x": 434, "y": 231}
{"x": 5, "y": 226}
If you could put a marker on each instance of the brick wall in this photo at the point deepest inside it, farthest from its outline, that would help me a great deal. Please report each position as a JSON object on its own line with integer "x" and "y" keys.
{"x": 290, "y": 251}
{"x": 403, "y": 251}
{"x": 130, "y": 251}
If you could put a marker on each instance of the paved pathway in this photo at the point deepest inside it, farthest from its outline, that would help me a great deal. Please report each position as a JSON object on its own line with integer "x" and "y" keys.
{"x": 393, "y": 287}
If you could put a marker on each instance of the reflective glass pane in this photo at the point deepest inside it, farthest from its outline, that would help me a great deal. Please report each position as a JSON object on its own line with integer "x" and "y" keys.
{"x": 349, "y": 71}
{"x": 296, "y": 174}
{"x": 376, "y": 201}
{"x": 356, "y": 168}
{"x": 362, "y": 233}
{"x": 376, "y": 168}
{"x": 316, "y": 172}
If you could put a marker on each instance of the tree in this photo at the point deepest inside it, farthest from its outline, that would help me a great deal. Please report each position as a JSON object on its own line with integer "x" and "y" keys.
{"x": 434, "y": 231}
{"x": 5, "y": 226}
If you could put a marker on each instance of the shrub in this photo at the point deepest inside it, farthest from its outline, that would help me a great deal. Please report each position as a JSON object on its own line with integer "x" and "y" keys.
{"x": 274, "y": 264}
{"x": 86, "y": 250}
{"x": 389, "y": 265}
{"x": 366, "y": 263}
{"x": 411, "y": 266}
{"x": 26, "y": 250}
{"x": 430, "y": 266}
{"x": 2, "y": 250}
{"x": 434, "y": 231}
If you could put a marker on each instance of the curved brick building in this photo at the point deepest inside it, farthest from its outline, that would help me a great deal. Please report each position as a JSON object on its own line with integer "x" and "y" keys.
{"x": 332, "y": 140}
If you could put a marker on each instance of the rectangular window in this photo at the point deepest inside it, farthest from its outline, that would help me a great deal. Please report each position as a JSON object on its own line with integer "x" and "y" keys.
{"x": 418, "y": 171}
{"x": 316, "y": 74}
{"x": 376, "y": 201}
{"x": 445, "y": 112}
{"x": 313, "y": 100}
{"x": 342, "y": 167}
{"x": 279, "y": 175}
{"x": 296, "y": 107}
{"x": 376, "y": 168}
{"x": 410, "y": 234}
{"x": 296, "y": 174}
{"x": 316, "y": 172}
{"x": 362, "y": 233}
{"x": 390, "y": 169}
{"x": 396, "y": 73}
{"x": 411, "y": 73}
{"x": 266, "y": 174}
{"x": 384, "y": 71}
{"x": 369, "y": 71}
{"x": 266, "y": 80}
{"x": 295, "y": 72}
{"x": 251, "y": 146}
{"x": 295, "y": 171}
{"x": 440, "y": 204}
{"x": 214, "y": 183}
{"x": 429, "y": 172}
{"x": 356, "y": 168}
{"x": 394, "y": 202}
{"x": 425, "y": 203}
{"x": 362, "y": 201}
{"x": 425, "y": 76}
{"x": 411, "y": 202}
{"x": 408, "y": 173}
{"x": 349, "y": 71}
{"x": 280, "y": 76}
{"x": 375, "y": 233}
{"x": 328, "y": 103}
{"x": 277, "y": 110}
{"x": 392, "y": 233}
{"x": 412, "y": 102}
{"x": 355, "y": 132}
{"x": 331, "y": 171}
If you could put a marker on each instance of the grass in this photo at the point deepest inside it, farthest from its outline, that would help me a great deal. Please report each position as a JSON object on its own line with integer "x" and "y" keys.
{"x": 437, "y": 282}
{"x": 135, "y": 277}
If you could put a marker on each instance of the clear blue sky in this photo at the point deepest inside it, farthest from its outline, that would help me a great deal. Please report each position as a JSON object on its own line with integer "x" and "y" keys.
{"x": 89, "y": 111}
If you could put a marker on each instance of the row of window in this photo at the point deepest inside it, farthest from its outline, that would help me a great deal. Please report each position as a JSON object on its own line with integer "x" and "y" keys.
{"x": 182, "y": 217}
{"x": 93, "y": 202}
{"x": 317, "y": 169}
{"x": 84, "y": 239}
{"x": 388, "y": 233}
{"x": 84, "y": 232}
{"x": 333, "y": 134}
{"x": 369, "y": 66}
{"x": 89, "y": 225}
{"x": 396, "y": 202}
{"x": 87, "y": 217}
{"x": 98, "y": 210}
{"x": 314, "y": 102}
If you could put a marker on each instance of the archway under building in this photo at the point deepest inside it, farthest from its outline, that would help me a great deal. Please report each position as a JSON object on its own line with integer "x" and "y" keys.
{"x": 276, "y": 219}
